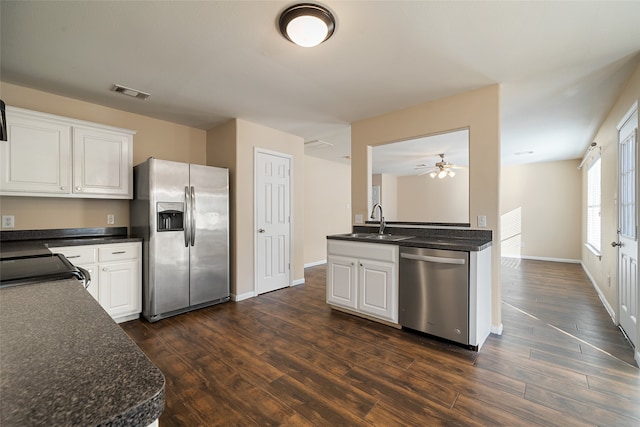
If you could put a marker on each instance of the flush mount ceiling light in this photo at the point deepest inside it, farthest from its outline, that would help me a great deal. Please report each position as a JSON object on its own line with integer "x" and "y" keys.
{"x": 317, "y": 143}
{"x": 130, "y": 92}
{"x": 307, "y": 24}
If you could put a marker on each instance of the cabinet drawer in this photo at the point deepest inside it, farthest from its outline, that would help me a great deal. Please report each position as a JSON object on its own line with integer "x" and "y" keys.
{"x": 78, "y": 255}
{"x": 118, "y": 253}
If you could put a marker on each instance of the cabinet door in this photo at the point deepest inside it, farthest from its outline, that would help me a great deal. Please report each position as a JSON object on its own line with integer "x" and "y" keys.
{"x": 120, "y": 288}
{"x": 341, "y": 281}
{"x": 378, "y": 290}
{"x": 102, "y": 163}
{"x": 36, "y": 157}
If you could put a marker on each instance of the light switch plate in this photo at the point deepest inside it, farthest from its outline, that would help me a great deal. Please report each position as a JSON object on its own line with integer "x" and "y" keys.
{"x": 482, "y": 221}
{"x": 8, "y": 221}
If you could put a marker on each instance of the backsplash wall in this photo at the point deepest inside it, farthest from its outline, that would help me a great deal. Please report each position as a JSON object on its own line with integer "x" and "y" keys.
{"x": 36, "y": 213}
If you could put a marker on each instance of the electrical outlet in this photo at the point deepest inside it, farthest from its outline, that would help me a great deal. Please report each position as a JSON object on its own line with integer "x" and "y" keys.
{"x": 359, "y": 219}
{"x": 111, "y": 219}
{"x": 482, "y": 221}
{"x": 8, "y": 221}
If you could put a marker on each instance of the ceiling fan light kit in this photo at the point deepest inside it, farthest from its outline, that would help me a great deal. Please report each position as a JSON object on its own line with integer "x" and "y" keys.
{"x": 442, "y": 169}
{"x": 307, "y": 24}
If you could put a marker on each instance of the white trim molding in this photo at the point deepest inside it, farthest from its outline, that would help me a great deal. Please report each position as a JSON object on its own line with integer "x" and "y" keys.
{"x": 607, "y": 306}
{"x": 298, "y": 282}
{"x": 242, "y": 297}
{"x": 542, "y": 258}
{"x": 497, "y": 329}
{"x": 314, "y": 263}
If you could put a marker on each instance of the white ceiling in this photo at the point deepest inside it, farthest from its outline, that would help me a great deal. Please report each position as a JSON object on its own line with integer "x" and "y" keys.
{"x": 419, "y": 155}
{"x": 561, "y": 64}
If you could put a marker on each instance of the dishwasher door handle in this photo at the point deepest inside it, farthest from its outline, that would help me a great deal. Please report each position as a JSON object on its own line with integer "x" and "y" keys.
{"x": 435, "y": 259}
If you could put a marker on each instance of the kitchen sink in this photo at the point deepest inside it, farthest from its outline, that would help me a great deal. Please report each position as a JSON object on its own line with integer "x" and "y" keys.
{"x": 376, "y": 236}
{"x": 391, "y": 237}
{"x": 357, "y": 235}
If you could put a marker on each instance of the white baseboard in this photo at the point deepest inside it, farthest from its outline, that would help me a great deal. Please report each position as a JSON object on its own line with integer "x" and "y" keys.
{"x": 313, "y": 264}
{"x": 244, "y": 296}
{"x": 607, "y": 306}
{"x": 298, "y": 282}
{"x": 542, "y": 258}
{"x": 497, "y": 330}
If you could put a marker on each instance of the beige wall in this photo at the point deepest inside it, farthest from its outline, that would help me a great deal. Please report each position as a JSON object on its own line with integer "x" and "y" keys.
{"x": 248, "y": 137}
{"x": 388, "y": 196}
{"x": 607, "y": 138}
{"x": 327, "y": 205}
{"x": 221, "y": 152}
{"x": 478, "y": 110}
{"x": 157, "y": 138}
{"x": 541, "y": 210}
{"x": 424, "y": 199}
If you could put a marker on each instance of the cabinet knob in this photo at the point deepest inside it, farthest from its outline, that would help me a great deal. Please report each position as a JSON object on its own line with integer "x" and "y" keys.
{"x": 105, "y": 269}
{"x": 77, "y": 188}
{"x": 63, "y": 188}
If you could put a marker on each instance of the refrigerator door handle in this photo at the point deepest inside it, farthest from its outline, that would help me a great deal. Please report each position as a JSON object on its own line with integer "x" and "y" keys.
{"x": 187, "y": 219}
{"x": 193, "y": 216}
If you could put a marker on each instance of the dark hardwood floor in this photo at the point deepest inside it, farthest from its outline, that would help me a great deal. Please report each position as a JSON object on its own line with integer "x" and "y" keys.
{"x": 286, "y": 359}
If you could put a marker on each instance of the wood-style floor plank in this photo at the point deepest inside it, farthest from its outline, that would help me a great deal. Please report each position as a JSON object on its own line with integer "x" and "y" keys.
{"x": 286, "y": 359}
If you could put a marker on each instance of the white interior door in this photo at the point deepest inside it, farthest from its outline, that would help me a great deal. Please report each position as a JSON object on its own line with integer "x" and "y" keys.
{"x": 273, "y": 221}
{"x": 628, "y": 227}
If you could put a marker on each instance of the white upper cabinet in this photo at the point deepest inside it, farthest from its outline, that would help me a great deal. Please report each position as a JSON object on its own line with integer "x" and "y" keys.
{"x": 101, "y": 162}
{"x": 53, "y": 156}
{"x": 36, "y": 156}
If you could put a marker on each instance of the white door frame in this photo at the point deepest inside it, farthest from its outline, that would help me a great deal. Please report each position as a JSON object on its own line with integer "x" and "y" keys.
{"x": 256, "y": 151}
{"x": 633, "y": 110}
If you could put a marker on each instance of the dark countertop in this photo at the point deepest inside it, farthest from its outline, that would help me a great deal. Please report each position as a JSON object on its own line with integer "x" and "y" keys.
{"x": 453, "y": 239}
{"x": 37, "y": 242}
{"x": 64, "y": 361}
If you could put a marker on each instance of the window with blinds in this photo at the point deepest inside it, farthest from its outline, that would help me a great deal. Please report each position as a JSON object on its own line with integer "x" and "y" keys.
{"x": 593, "y": 205}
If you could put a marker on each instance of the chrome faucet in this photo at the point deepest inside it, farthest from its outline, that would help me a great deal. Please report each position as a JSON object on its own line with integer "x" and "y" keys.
{"x": 382, "y": 223}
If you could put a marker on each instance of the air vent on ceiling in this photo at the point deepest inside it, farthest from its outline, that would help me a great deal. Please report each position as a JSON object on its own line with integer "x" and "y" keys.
{"x": 130, "y": 92}
{"x": 317, "y": 143}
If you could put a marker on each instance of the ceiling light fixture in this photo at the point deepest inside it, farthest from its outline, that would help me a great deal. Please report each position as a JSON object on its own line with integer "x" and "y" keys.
{"x": 443, "y": 169}
{"x": 307, "y": 24}
{"x": 130, "y": 92}
{"x": 317, "y": 143}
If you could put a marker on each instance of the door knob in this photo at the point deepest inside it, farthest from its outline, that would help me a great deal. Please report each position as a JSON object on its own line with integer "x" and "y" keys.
{"x": 614, "y": 244}
{"x": 261, "y": 230}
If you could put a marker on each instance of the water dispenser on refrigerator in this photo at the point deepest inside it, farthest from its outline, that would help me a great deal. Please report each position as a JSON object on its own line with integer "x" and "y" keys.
{"x": 170, "y": 216}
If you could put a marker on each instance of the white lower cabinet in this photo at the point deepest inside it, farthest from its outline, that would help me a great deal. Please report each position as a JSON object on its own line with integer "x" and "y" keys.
{"x": 116, "y": 281}
{"x": 341, "y": 281}
{"x": 363, "y": 278}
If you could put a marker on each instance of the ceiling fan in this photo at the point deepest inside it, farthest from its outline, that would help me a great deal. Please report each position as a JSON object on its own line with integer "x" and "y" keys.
{"x": 441, "y": 169}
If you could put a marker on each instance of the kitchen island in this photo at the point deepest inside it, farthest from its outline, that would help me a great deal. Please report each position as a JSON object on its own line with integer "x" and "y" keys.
{"x": 435, "y": 280}
{"x": 63, "y": 361}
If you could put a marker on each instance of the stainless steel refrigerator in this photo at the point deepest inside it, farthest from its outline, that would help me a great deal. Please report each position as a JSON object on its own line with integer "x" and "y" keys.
{"x": 181, "y": 211}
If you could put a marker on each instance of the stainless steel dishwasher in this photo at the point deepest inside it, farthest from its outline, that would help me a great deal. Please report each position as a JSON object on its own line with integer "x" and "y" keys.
{"x": 434, "y": 292}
